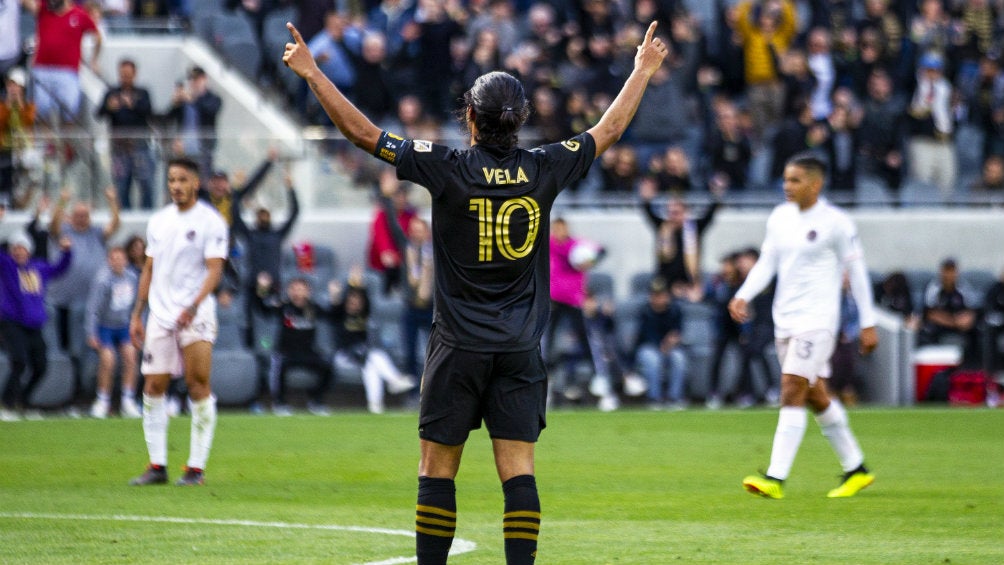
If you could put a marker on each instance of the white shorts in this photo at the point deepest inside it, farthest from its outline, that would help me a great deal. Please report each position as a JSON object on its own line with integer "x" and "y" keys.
{"x": 807, "y": 355}
{"x": 162, "y": 346}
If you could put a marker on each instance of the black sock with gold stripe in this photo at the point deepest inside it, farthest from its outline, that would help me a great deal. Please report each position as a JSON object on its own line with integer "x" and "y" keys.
{"x": 521, "y": 521}
{"x": 435, "y": 520}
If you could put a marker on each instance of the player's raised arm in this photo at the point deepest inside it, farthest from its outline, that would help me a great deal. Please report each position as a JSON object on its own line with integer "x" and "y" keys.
{"x": 355, "y": 126}
{"x": 615, "y": 120}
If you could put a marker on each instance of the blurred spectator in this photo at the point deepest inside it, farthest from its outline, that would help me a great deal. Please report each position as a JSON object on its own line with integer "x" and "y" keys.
{"x": 135, "y": 248}
{"x": 882, "y": 131}
{"x": 548, "y": 118}
{"x": 755, "y": 335}
{"x": 932, "y": 152}
{"x": 619, "y": 170}
{"x": 61, "y": 29}
{"x": 993, "y": 328}
{"x": 844, "y": 380}
{"x": 949, "y": 311}
{"x": 435, "y": 27}
{"x": 991, "y": 176}
{"x": 569, "y": 272}
{"x": 658, "y": 352}
{"x": 418, "y": 273}
{"x": 129, "y": 111}
{"x": 670, "y": 172}
{"x": 106, "y": 321}
{"x": 350, "y": 316}
{"x": 983, "y": 99}
{"x": 38, "y": 228}
{"x": 194, "y": 109}
{"x": 392, "y": 18}
{"x": 666, "y": 114}
{"x": 485, "y": 56}
{"x": 66, "y": 295}
{"x": 799, "y": 82}
{"x": 264, "y": 242}
{"x": 893, "y": 294}
{"x": 820, "y": 61}
{"x": 931, "y": 29}
{"x": 500, "y": 17}
{"x": 799, "y": 133}
{"x": 728, "y": 149}
{"x": 384, "y": 255}
{"x": 611, "y": 367}
{"x": 17, "y": 118}
{"x": 888, "y": 28}
{"x": 766, "y": 29}
{"x": 222, "y": 195}
{"x": 721, "y": 288}
{"x": 842, "y": 147}
{"x": 11, "y": 50}
{"x": 22, "y": 315}
{"x": 677, "y": 239}
{"x": 373, "y": 78}
{"x": 418, "y": 294}
{"x": 871, "y": 57}
{"x": 336, "y": 59}
{"x": 298, "y": 316}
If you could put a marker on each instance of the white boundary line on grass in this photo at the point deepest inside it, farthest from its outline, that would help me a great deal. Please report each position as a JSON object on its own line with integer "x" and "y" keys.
{"x": 459, "y": 545}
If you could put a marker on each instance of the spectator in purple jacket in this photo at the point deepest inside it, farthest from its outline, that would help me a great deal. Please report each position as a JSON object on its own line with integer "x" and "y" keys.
{"x": 23, "y": 283}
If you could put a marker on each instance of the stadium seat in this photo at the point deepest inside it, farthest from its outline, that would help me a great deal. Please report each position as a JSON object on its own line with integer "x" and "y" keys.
{"x": 601, "y": 284}
{"x": 235, "y": 377}
{"x": 639, "y": 283}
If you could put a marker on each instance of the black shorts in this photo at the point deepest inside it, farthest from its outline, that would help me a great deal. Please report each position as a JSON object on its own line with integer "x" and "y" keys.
{"x": 508, "y": 390}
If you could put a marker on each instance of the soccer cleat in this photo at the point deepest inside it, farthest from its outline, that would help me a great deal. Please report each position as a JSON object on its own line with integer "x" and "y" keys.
{"x": 9, "y": 415}
{"x": 154, "y": 475}
{"x": 763, "y": 486}
{"x": 192, "y": 477}
{"x": 282, "y": 410}
{"x": 853, "y": 483}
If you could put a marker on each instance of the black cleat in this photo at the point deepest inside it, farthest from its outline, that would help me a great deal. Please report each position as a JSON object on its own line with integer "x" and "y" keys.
{"x": 192, "y": 477}
{"x": 154, "y": 475}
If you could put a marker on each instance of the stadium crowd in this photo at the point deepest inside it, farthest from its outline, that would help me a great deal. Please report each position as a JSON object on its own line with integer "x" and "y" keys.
{"x": 891, "y": 94}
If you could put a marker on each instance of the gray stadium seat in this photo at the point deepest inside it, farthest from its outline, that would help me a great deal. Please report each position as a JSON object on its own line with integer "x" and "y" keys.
{"x": 601, "y": 284}
{"x": 234, "y": 377}
{"x": 639, "y": 283}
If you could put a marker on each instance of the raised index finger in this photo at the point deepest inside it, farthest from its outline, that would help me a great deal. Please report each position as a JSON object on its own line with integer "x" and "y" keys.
{"x": 650, "y": 33}
{"x": 296, "y": 33}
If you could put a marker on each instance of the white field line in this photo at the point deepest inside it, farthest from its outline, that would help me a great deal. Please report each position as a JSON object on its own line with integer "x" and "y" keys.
{"x": 459, "y": 545}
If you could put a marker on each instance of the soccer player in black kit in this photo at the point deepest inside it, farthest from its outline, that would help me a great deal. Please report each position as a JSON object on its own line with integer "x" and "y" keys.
{"x": 491, "y": 205}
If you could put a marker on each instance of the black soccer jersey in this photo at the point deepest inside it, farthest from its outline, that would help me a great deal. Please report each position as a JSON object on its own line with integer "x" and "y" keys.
{"x": 491, "y": 210}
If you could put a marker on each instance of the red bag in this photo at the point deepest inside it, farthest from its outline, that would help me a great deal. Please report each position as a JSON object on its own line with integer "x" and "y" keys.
{"x": 968, "y": 388}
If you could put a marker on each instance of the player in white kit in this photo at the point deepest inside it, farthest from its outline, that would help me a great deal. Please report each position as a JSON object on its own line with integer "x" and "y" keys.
{"x": 186, "y": 246}
{"x": 809, "y": 244}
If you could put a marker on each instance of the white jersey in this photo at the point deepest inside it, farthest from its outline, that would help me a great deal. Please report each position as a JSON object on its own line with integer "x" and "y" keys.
{"x": 809, "y": 252}
{"x": 179, "y": 243}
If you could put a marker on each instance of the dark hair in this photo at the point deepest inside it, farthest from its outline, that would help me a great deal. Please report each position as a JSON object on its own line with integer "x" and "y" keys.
{"x": 127, "y": 62}
{"x": 185, "y": 162}
{"x": 810, "y": 162}
{"x": 499, "y": 107}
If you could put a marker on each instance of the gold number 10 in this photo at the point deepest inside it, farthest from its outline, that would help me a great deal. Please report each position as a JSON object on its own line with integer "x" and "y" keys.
{"x": 494, "y": 230}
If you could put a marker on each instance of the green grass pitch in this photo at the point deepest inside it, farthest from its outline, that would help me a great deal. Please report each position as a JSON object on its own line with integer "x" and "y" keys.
{"x": 629, "y": 487}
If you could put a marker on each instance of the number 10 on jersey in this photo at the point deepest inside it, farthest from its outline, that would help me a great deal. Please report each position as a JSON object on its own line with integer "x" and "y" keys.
{"x": 493, "y": 230}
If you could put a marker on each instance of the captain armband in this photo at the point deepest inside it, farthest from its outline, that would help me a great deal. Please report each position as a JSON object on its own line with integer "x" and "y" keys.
{"x": 388, "y": 147}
